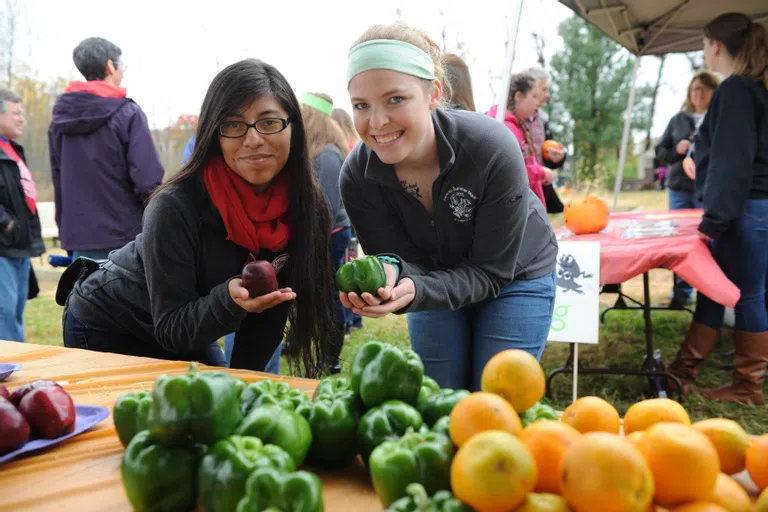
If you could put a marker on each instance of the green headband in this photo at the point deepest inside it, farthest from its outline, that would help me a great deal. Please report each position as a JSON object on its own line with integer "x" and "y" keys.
{"x": 390, "y": 54}
{"x": 324, "y": 106}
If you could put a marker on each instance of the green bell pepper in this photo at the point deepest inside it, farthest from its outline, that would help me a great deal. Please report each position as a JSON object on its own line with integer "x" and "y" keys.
{"x": 275, "y": 491}
{"x": 279, "y": 426}
{"x": 538, "y": 411}
{"x": 428, "y": 386}
{"x": 418, "y": 501}
{"x": 226, "y": 466}
{"x": 271, "y": 392}
{"x": 441, "y": 426}
{"x": 336, "y": 387}
{"x": 199, "y": 407}
{"x": 130, "y": 414}
{"x": 387, "y": 422}
{"x": 439, "y": 403}
{"x": 381, "y": 372}
{"x": 417, "y": 457}
{"x": 158, "y": 477}
{"x": 361, "y": 275}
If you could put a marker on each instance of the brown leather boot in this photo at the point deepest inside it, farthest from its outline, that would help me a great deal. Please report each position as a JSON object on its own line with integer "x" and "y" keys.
{"x": 750, "y": 362}
{"x": 699, "y": 343}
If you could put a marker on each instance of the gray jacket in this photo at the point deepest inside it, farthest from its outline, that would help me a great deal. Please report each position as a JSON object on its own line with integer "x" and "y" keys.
{"x": 488, "y": 226}
{"x": 327, "y": 166}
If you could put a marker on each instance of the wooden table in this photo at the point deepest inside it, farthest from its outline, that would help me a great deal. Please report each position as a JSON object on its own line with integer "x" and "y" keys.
{"x": 83, "y": 473}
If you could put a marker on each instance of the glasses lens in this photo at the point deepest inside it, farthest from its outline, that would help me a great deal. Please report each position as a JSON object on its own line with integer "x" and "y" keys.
{"x": 270, "y": 125}
{"x": 233, "y": 129}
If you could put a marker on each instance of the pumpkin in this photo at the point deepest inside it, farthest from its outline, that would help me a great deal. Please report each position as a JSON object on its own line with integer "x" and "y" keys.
{"x": 548, "y": 145}
{"x": 586, "y": 215}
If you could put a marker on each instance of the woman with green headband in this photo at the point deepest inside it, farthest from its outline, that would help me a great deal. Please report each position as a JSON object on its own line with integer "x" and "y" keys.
{"x": 327, "y": 146}
{"x": 442, "y": 197}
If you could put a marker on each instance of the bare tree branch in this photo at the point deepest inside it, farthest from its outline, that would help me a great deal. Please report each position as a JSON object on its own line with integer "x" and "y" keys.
{"x": 538, "y": 40}
{"x": 654, "y": 94}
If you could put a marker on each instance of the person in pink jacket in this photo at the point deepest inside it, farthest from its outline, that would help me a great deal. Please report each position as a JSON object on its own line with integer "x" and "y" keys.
{"x": 522, "y": 103}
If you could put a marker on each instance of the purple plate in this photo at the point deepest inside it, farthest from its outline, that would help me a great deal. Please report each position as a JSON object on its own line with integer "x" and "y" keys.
{"x": 6, "y": 369}
{"x": 86, "y": 417}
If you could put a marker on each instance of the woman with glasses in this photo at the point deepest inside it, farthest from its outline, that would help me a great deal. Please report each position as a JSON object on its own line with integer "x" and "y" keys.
{"x": 247, "y": 190}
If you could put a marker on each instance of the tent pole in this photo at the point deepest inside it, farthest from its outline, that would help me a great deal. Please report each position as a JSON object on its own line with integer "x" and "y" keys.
{"x": 501, "y": 97}
{"x": 625, "y": 134}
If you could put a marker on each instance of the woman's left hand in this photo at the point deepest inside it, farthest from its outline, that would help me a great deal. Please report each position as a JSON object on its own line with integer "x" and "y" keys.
{"x": 704, "y": 238}
{"x": 399, "y": 297}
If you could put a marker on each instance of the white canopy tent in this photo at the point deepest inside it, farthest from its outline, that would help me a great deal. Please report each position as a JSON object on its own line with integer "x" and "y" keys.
{"x": 644, "y": 27}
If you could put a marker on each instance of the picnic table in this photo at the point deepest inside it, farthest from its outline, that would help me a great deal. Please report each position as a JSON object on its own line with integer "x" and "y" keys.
{"x": 83, "y": 473}
{"x": 632, "y": 244}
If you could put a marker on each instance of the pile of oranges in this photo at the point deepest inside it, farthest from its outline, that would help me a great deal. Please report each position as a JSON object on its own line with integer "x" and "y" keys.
{"x": 586, "y": 462}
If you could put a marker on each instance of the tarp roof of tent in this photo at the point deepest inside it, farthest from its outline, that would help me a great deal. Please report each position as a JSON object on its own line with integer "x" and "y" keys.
{"x": 656, "y": 27}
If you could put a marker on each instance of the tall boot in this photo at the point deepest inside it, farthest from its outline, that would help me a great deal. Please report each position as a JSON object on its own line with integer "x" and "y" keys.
{"x": 699, "y": 343}
{"x": 750, "y": 362}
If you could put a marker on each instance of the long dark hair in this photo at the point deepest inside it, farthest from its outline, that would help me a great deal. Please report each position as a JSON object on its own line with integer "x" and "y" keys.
{"x": 309, "y": 271}
{"x": 745, "y": 40}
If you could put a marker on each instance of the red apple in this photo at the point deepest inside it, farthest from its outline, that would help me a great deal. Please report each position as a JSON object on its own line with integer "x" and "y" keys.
{"x": 20, "y": 392}
{"x": 49, "y": 411}
{"x": 14, "y": 429}
{"x": 259, "y": 278}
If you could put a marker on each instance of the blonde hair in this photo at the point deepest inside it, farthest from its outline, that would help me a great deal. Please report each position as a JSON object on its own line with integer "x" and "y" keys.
{"x": 322, "y": 130}
{"x": 399, "y": 31}
{"x": 347, "y": 125}
{"x": 708, "y": 79}
{"x": 745, "y": 40}
{"x": 457, "y": 72}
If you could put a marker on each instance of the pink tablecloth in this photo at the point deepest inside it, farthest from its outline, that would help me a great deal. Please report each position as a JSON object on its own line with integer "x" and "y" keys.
{"x": 634, "y": 243}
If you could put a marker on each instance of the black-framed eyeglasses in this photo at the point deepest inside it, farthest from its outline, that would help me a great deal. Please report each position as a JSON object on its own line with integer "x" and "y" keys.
{"x": 266, "y": 126}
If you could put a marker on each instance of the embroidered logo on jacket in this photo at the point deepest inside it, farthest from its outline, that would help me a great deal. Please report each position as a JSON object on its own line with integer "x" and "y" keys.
{"x": 461, "y": 202}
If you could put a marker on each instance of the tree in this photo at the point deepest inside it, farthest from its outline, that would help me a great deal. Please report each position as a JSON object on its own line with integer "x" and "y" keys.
{"x": 591, "y": 79}
{"x": 654, "y": 94}
{"x": 8, "y": 41}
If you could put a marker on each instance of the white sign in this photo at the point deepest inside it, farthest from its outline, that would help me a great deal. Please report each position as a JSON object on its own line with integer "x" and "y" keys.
{"x": 576, "y": 318}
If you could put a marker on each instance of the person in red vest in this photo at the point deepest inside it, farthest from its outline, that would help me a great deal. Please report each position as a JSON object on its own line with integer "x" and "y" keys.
{"x": 20, "y": 234}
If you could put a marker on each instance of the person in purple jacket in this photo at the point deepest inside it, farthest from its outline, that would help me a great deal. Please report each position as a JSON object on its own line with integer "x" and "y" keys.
{"x": 103, "y": 160}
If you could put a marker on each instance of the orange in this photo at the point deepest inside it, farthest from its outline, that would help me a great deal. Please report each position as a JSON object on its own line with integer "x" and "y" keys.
{"x": 730, "y": 440}
{"x": 700, "y": 506}
{"x": 548, "y": 441}
{"x": 544, "y": 503}
{"x": 684, "y": 463}
{"x": 605, "y": 472}
{"x": 761, "y": 505}
{"x": 516, "y": 376}
{"x": 648, "y": 412}
{"x": 757, "y": 461}
{"x": 730, "y": 495}
{"x": 592, "y": 414}
{"x": 493, "y": 471}
{"x": 478, "y": 412}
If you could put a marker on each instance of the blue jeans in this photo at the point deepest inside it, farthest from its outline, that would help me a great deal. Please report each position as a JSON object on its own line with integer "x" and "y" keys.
{"x": 678, "y": 200}
{"x": 273, "y": 366}
{"x": 78, "y": 335}
{"x": 96, "y": 254}
{"x": 742, "y": 253}
{"x": 456, "y": 345}
{"x": 14, "y": 288}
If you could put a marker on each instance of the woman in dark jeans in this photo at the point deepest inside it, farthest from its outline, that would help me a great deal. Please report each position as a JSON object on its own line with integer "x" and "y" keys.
{"x": 732, "y": 180}
{"x": 673, "y": 148}
{"x": 327, "y": 145}
{"x": 248, "y": 189}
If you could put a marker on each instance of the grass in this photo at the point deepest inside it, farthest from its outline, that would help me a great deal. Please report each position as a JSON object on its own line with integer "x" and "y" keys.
{"x": 621, "y": 343}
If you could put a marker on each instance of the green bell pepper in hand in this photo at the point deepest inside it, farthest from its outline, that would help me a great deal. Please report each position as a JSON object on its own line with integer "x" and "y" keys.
{"x": 418, "y": 501}
{"x": 274, "y": 490}
{"x": 440, "y": 403}
{"x": 270, "y": 392}
{"x": 279, "y": 426}
{"x": 130, "y": 414}
{"x": 387, "y": 422}
{"x": 420, "y": 457}
{"x": 441, "y": 426}
{"x": 381, "y": 372}
{"x": 158, "y": 477}
{"x": 199, "y": 407}
{"x": 361, "y": 275}
{"x": 538, "y": 411}
{"x": 333, "y": 415}
{"x": 226, "y": 466}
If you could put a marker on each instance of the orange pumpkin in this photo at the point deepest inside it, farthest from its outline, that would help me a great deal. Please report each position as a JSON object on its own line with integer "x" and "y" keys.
{"x": 550, "y": 144}
{"x": 586, "y": 215}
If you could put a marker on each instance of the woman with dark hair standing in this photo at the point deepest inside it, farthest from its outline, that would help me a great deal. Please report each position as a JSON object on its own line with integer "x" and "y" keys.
{"x": 732, "y": 182}
{"x": 248, "y": 189}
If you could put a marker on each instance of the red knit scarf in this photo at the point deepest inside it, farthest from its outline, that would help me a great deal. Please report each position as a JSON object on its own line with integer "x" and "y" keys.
{"x": 254, "y": 221}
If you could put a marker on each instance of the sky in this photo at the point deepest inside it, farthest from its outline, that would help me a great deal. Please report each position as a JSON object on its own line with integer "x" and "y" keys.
{"x": 174, "y": 48}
